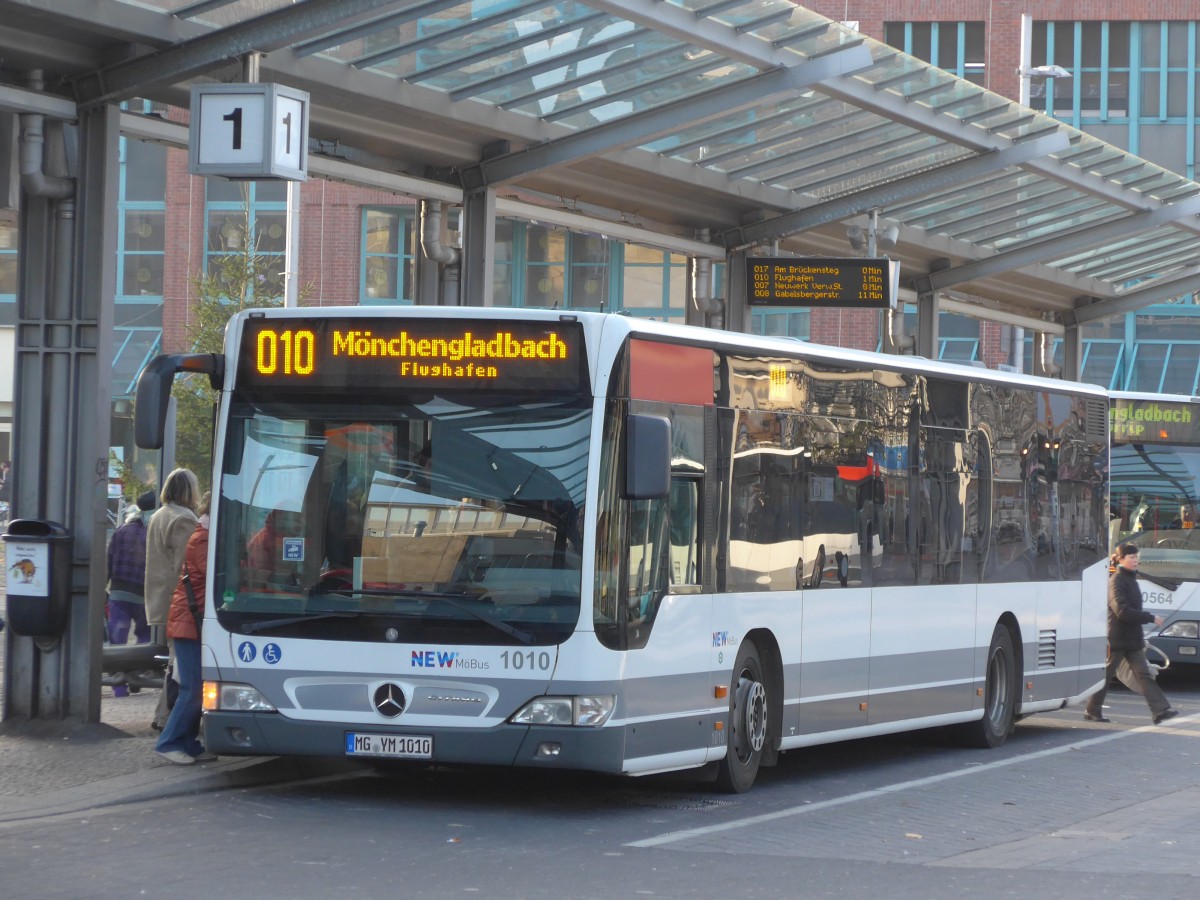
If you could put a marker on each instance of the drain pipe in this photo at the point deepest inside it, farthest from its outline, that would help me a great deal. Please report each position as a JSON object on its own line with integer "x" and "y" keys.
{"x": 432, "y": 212}
{"x": 32, "y": 154}
{"x": 701, "y": 272}
{"x": 897, "y": 340}
{"x": 1049, "y": 367}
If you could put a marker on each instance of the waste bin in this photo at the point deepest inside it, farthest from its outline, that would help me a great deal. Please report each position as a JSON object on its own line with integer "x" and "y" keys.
{"x": 38, "y": 556}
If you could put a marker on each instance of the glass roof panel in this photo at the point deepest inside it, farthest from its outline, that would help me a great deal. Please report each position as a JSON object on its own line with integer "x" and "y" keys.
{"x": 729, "y": 134}
{"x": 1050, "y": 223}
{"x": 219, "y": 13}
{"x": 781, "y": 22}
{"x": 1115, "y": 250}
{"x": 700, "y": 76}
{"x": 545, "y": 89}
{"x": 428, "y": 23}
{"x": 986, "y": 209}
{"x": 449, "y": 52}
{"x": 1006, "y": 181}
{"x": 1146, "y": 271}
{"x": 844, "y": 176}
{"x": 798, "y": 152}
{"x": 1129, "y": 254}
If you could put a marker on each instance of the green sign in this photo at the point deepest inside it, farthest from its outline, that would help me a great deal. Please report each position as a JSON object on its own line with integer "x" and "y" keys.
{"x": 1154, "y": 421}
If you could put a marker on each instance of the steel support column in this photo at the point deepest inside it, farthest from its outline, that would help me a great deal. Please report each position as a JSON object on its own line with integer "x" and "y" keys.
{"x": 1072, "y": 344}
{"x": 62, "y": 408}
{"x": 479, "y": 247}
{"x": 927, "y": 325}
{"x": 737, "y": 310}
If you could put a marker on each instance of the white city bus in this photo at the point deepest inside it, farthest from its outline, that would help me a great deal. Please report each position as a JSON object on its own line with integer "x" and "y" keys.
{"x": 574, "y": 540}
{"x": 1155, "y": 495}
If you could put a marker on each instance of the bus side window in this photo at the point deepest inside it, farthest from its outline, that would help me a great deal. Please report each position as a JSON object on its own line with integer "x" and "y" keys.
{"x": 685, "y": 530}
{"x": 648, "y": 562}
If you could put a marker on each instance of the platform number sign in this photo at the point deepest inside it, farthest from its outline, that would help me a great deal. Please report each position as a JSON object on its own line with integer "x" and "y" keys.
{"x": 255, "y": 131}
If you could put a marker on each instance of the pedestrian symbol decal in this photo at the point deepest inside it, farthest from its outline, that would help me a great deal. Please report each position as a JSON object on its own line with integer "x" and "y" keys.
{"x": 246, "y": 651}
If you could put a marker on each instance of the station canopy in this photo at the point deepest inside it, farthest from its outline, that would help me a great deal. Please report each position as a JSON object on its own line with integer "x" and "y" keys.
{"x": 709, "y": 125}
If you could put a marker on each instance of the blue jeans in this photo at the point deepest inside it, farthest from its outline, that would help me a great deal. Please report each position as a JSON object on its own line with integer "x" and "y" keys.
{"x": 182, "y": 731}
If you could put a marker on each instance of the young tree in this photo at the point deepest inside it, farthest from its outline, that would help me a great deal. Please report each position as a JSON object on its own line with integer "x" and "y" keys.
{"x": 242, "y": 278}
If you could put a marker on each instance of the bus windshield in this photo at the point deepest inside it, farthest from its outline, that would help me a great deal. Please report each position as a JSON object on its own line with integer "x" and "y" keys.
{"x": 442, "y": 519}
{"x": 1154, "y": 495}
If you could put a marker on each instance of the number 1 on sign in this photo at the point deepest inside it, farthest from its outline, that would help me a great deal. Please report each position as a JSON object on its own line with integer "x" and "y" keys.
{"x": 236, "y": 118}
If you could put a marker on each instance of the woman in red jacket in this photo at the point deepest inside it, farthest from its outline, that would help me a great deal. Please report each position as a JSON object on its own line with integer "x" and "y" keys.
{"x": 180, "y": 739}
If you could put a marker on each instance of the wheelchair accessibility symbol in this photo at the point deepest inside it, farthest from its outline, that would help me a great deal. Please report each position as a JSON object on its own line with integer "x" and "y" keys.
{"x": 272, "y": 654}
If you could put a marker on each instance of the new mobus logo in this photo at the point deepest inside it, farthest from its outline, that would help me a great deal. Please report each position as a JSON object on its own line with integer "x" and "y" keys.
{"x": 445, "y": 659}
{"x": 434, "y": 659}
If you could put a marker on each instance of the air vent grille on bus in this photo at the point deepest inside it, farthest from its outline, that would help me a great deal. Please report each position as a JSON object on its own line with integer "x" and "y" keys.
{"x": 1047, "y": 648}
{"x": 1097, "y": 420}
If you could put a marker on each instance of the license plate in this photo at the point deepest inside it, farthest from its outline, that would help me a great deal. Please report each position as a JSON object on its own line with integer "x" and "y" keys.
{"x": 390, "y": 746}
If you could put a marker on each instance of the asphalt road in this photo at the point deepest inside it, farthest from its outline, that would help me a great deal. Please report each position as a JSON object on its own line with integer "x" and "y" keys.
{"x": 1065, "y": 809}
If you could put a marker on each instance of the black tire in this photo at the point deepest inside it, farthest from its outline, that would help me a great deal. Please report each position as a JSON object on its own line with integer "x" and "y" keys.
{"x": 747, "y": 727}
{"x": 999, "y": 695}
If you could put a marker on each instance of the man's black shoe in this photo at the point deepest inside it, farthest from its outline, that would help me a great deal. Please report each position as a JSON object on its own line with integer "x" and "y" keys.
{"x": 1088, "y": 717}
{"x": 1162, "y": 717}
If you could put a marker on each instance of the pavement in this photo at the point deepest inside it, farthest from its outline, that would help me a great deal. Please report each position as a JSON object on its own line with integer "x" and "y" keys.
{"x": 52, "y": 767}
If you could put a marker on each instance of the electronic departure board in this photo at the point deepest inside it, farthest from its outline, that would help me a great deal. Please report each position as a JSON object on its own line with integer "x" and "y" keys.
{"x": 1154, "y": 422}
{"x": 365, "y": 353}
{"x": 858, "y": 283}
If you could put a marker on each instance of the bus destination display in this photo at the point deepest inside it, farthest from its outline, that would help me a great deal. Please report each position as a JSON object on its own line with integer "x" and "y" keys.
{"x": 1153, "y": 422}
{"x": 858, "y": 283}
{"x": 412, "y": 353}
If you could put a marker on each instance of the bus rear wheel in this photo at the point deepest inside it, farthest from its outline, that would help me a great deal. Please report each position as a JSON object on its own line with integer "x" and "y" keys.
{"x": 999, "y": 695}
{"x": 746, "y": 728}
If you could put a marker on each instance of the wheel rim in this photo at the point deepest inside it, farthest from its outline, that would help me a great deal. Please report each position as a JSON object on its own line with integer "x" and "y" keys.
{"x": 752, "y": 721}
{"x": 997, "y": 689}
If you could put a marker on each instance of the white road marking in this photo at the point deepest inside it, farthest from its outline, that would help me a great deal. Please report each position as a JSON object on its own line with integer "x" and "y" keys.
{"x": 674, "y": 837}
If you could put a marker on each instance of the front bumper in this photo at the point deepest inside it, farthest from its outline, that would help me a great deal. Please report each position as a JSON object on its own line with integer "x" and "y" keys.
{"x": 273, "y": 734}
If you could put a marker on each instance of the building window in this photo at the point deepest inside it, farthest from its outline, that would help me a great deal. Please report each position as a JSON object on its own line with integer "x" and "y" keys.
{"x": 247, "y": 218}
{"x": 654, "y": 283}
{"x": 796, "y": 323}
{"x": 551, "y": 268}
{"x": 1134, "y": 84}
{"x": 141, "y": 221}
{"x": 8, "y": 261}
{"x": 389, "y": 245}
{"x": 957, "y": 47}
{"x": 132, "y": 349}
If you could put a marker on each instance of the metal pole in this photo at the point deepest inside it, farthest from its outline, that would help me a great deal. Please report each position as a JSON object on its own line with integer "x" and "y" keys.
{"x": 1017, "y": 352}
{"x": 291, "y": 247}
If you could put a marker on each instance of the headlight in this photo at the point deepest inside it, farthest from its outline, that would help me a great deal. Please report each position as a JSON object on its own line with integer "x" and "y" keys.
{"x": 1182, "y": 630}
{"x": 238, "y": 697}
{"x": 586, "y": 711}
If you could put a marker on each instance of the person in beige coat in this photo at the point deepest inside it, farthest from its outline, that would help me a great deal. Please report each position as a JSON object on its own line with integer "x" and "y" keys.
{"x": 166, "y": 542}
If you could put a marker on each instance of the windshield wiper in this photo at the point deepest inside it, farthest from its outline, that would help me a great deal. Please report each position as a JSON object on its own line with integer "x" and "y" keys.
{"x": 255, "y": 627}
{"x": 1166, "y": 583}
{"x": 453, "y": 600}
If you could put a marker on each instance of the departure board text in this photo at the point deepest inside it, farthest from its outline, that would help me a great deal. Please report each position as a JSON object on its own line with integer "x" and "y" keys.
{"x": 858, "y": 283}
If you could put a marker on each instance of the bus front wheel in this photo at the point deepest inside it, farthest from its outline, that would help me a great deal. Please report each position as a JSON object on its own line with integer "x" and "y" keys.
{"x": 746, "y": 728}
{"x": 999, "y": 694}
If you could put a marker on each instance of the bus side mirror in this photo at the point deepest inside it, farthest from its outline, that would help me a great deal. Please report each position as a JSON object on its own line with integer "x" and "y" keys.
{"x": 647, "y": 457}
{"x": 154, "y": 392}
